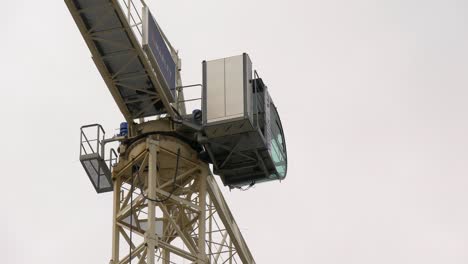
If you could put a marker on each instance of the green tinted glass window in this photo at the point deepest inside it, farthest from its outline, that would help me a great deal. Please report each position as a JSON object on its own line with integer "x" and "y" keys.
{"x": 278, "y": 145}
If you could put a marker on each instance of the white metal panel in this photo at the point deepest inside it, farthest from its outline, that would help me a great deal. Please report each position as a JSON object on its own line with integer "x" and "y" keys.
{"x": 215, "y": 90}
{"x": 227, "y": 91}
{"x": 234, "y": 86}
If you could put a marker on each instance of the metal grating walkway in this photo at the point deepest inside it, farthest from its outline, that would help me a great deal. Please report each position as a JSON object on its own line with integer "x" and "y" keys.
{"x": 119, "y": 57}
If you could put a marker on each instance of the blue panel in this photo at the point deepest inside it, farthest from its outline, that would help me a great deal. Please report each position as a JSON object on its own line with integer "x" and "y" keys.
{"x": 162, "y": 54}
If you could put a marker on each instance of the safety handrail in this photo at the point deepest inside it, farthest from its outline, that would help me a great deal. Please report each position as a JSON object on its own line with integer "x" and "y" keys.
{"x": 133, "y": 15}
{"x": 113, "y": 156}
{"x": 180, "y": 88}
{"x": 84, "y": 140}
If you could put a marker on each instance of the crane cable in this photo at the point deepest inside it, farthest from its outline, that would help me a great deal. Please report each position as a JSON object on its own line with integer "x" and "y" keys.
{"x": 146, "y": 197}
{"x": 173, "y": 183}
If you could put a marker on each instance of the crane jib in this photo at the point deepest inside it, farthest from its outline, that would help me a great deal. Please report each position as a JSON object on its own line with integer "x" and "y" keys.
{"x": 133, "y": 77}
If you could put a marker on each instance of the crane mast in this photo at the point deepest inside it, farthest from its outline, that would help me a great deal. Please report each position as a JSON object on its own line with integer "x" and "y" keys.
{"x": 168, "y": 199}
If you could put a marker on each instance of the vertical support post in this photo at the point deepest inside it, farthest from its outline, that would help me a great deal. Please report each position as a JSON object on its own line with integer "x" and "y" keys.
{"x": 115, "y": 227}
{"x": 210, "y": 231}
{"x": 230, "y": 251}
{"x": 150, "y": 235}
{"x": 98, "y": 140}
{"x": 180, "y": 104}
{"x": 129, "y": 12}
{"x": 202, "y": 218}
{"x": 166, "y": 254}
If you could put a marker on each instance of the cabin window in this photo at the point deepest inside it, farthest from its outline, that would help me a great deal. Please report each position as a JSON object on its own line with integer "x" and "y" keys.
{"x": 278, "y": 144}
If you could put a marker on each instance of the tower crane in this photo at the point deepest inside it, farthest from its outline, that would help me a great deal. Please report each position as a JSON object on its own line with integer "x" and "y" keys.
{"x": 167, "y": 205}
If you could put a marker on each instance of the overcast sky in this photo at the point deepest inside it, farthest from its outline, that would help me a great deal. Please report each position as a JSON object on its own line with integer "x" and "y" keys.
{"x": 373, "y": 98}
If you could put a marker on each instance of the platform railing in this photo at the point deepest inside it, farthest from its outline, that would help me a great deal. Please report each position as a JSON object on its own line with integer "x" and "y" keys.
{"x": 133, "y": 12}
{"x": 113, "y": 158}
{"x": 90, "y": 144}
{"x": 93, "y": 157}
{"x": 194, "y": 94}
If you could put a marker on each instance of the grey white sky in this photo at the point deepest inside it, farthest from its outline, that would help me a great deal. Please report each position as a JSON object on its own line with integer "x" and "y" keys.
{"x": 373, "y": 98}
